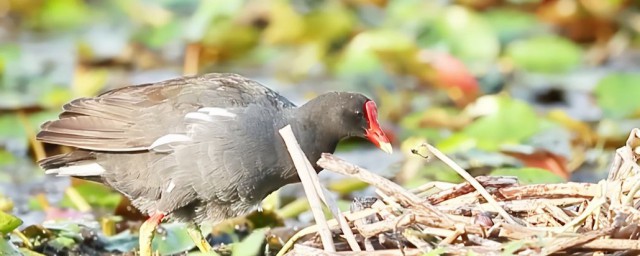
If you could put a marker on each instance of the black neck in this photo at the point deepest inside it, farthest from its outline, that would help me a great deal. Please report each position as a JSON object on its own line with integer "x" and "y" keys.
{"x": 315, "y": 131}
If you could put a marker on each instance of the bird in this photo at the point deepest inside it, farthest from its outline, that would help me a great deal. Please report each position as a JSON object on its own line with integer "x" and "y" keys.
{"x": 199, "y": 149}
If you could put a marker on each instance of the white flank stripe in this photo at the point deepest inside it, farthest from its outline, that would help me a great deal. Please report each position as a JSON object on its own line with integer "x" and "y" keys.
{"x": 198, "y": 116}
{"x": 217, "y": 112}
{"x": 92, "y": 169}
{"x": 171, "y": 186}
{"x": 164, "y": 143}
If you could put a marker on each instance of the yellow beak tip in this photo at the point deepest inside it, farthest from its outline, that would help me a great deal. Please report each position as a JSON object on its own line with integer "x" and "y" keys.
{"x": 386, "y": 147}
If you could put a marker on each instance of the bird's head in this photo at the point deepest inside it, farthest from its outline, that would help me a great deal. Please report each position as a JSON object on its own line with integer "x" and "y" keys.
{"x": 353, "y": 115}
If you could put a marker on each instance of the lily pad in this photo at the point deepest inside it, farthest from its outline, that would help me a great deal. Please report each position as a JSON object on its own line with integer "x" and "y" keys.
{"x": 174, "y": 240}
{"x": 6, "y": 248}
{"x": 510, "y": 24}
{"x": 56, "y": 14}
{"x": 251, "y": 245}
{"x": 508, "y": 121}
{"x": 545, "y": 54}
{"x": 96, "y": 195}
{"x": 8, "y": 222}
{"x": 618, "y": 94}
{"x": 122, "y": 242}
{"x": 467, "y": 35}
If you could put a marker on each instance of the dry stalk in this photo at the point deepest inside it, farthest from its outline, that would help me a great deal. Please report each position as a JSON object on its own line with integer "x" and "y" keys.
{"x": 333, "y": 163}
{"x": 473, "y": 182}
{"x": 304, "y": 171}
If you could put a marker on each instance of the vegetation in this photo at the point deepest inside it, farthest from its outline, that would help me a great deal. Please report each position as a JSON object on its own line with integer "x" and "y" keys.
{"x": 542, "y": 90}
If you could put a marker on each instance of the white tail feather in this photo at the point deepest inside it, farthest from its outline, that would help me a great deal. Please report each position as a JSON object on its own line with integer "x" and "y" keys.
{"x": 88, "y": 169}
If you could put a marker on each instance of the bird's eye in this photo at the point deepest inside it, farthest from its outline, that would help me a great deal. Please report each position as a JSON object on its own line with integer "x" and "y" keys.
{"x": 358, "y": 113}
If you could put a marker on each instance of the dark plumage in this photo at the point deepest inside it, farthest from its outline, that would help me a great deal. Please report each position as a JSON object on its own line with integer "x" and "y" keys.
{"x": 200, "y": 148}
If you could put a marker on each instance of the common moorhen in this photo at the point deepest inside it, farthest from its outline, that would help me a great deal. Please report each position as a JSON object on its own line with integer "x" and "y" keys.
{"x": 199, "y": 148}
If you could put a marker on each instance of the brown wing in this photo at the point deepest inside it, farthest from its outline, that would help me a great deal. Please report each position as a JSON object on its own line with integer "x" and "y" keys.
{"x": 132, "y": 118}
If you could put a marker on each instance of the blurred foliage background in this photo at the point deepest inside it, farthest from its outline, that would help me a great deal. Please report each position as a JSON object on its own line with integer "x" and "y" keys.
{"x": 542, "y": 89}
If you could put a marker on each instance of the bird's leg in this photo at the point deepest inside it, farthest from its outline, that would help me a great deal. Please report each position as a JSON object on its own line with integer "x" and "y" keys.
{"x": 147, "y": 231}
{"x": 196, "y": 235}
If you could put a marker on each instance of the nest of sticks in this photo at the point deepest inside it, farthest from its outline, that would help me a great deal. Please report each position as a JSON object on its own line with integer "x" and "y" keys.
{"x": 484, "y": 215}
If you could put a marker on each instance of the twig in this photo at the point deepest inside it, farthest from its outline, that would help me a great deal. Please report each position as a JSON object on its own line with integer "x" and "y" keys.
{"x": 564, "y": 243}
{"x": 594, "y": 206}
{"x": 337, "y": 214}
{"x": 628, "y": 201}
{"x": 517, "y": 232}
{"x": 431, "y": 185}
{"x": 333, "y": 163}
{"x": 332, "y": 224}
{"x": 330, "y": 202}
{"x": 525, "y": 205}
{"x": 307, "y": 183}
{"x": 457, "y": 232}
{"x": 612, "y": 244}
{"x": 370, "y": 230}
{"x": 465, "y": 188}
{"x": 556, "y": 212}
{"x": 473, "y": 182}
{"x": 414, "y": 237}
{"x": 569, "y": 189}
{"x": 387, "y": 199}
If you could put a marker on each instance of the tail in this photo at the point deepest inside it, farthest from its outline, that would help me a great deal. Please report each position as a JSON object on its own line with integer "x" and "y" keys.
{"x": 79, "y": 163}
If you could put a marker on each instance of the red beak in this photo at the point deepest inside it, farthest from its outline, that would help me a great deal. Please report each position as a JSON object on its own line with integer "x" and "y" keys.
{"x": 373, "y": 132}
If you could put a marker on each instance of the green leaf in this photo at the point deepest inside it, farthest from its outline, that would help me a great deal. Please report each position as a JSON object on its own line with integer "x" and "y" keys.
{"x": 294, "y": 208}
{"x": 156, "y": 37}
{"x": 545, "y": 54}
{"x": 331, "y": 22}
{"x": 466, "y": 35}
{"x": 176, "y": 239}
{"x": 96, "y": 195}
{"x": 347, "y": 185}
{"x": 510, "y": 122}
{"x": 62, "y": 14}
{"x": 7, "y": 248}
{"x": 59, "y": 243}
{"x": 7, "y": 158}
{"x": 618, "y": 94}
{"x": 55, "y": 97}
{"x": 201, "y": 20}
{"x": 65, "y": 228}
{"x": 123, "y": 242}
{"x": 8, "y": 222}
{"x": 510, "y": 24}
{"x": 358, "y": 62}
{"x": 9, "y": 53}
{"x": 367, "y": 52}
{"x": 251, "y": 245}
{"x": 529, "y": 175}
{"x": 8, "y": 132}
